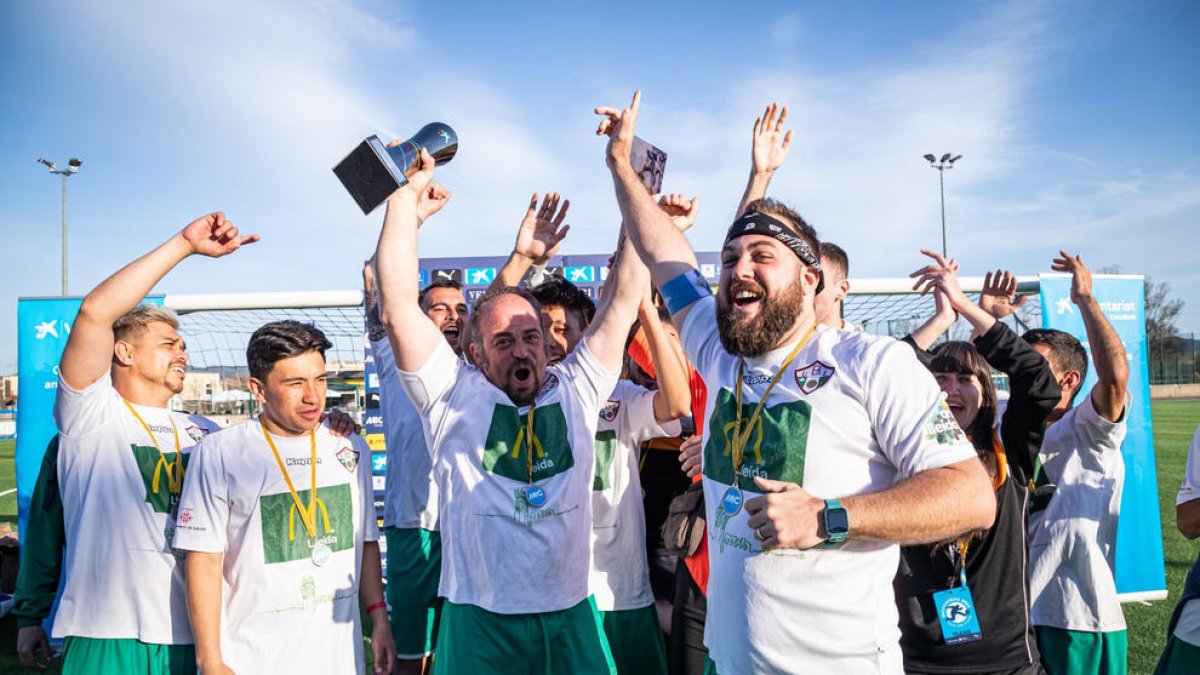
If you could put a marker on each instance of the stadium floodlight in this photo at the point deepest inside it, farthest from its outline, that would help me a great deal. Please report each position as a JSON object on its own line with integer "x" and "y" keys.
{"x": 73, "y": 165}
{"x": 946, "y": 162}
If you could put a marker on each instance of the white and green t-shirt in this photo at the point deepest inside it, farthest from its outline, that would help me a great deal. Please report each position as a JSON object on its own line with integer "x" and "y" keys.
{"x": 502, "y": 550}
{"x": 410, "y": 498}
{"x": 853, "y": 413}
{"x": 1073, "y": 541}
{"x": 122, "y": 578}
{"x": 281, "y": 612}
{"x": 620, "y": 577}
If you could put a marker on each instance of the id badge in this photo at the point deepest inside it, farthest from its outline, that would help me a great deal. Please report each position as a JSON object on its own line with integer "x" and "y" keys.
{"x": 956, "y": 614}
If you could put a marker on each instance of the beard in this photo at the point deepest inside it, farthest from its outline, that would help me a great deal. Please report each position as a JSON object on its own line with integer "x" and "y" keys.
{"x": 760, "y": 334}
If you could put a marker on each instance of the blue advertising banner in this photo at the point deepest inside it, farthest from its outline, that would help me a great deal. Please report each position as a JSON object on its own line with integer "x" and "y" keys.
{"x": 43, "y": 325}
{"x": 1139, "y": 555}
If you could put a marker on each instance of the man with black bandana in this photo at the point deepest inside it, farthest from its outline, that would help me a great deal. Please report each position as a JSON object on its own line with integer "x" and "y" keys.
{"x": 823, "y": 448}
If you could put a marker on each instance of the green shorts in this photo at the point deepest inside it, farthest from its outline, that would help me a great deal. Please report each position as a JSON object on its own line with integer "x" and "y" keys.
{"x": 90, "y": 656}
{"x": 636, "y": 641}
{"x": 1179, "y": 657}
{"x": 1076, "y": 652}
{"x": 473, "y": 641}
{"x": 414, "y": 568}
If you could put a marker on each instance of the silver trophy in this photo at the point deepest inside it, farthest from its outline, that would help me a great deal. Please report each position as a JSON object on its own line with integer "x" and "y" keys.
{"x": 373, "y": 170}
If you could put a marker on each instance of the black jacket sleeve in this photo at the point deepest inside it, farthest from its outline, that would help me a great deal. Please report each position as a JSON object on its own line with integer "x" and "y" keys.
{"x": 923, "y": 356}
{"x": 1033, "y": 393}
{"x": 42, "y": 543}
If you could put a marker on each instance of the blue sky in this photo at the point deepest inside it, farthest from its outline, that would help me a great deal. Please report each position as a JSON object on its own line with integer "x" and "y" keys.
{"x": 1077, "y": 122}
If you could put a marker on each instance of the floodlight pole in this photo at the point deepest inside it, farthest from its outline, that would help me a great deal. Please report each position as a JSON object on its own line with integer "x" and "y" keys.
{"x": 946, "y": 162}
{"x": 72, "y": 167}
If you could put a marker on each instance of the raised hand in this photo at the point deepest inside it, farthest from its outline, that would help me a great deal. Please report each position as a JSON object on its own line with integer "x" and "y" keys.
{"x": 767, "y": 152}
{"x": 431, "y": 200}
{"x": 619, "y": 125}
{"x": 213, "y": 236}
{"x": 1081, "y": 276}
{"x": 999, "y": 296}
{"x": 542, "y": 229}
{"x": 681, "y": 210}
{"x": 941, "y": 275}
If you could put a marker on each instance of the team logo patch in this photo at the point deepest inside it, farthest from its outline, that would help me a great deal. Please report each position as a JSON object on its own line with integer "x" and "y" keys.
{"x": 813, "y": 376}
{"x": 609, "y": 412}
{"x": 194, "y": 432}
{"x": 348, "y": 457}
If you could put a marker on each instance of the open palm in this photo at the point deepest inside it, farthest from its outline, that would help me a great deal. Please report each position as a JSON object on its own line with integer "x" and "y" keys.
{"x": 542, "y": 229}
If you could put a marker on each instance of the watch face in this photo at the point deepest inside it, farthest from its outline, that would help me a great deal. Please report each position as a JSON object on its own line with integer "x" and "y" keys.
{"x": 836, "y": 522}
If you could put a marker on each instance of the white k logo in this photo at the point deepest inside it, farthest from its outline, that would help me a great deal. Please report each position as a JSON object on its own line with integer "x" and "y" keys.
{"x": 1064, "y": 306}
{"x": 47, "y": 328}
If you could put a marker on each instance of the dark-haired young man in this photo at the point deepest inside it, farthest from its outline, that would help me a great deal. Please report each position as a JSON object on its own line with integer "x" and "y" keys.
{"x": 513, "y": 448}
{"x": 799, "y": 575}
{"x": 1078, "y": 618}
{"x": 121, "y": 462}
{"x": 566, "y": 313}
{"x": 279, "y": 513}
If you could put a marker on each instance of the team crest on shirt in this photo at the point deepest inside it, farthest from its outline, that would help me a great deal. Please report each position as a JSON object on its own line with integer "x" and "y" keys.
{"x": 609, "y": 412}
{"x": 813, "y": 376}
{"x": 348, "y": 457}
{"x": 194, "y": 432}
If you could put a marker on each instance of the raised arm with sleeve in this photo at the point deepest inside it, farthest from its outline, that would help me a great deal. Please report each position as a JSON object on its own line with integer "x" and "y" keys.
{"x": 1108, "y": 353}
{"x": 89, "y": 351}
{"x": 412, "y": 334}
{"x": 657, "y": 240}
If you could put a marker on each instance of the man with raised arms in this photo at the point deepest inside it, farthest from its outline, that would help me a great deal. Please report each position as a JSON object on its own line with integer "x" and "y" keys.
{"x": 820, "y": 450}
{"x": 512, "y": 442}
{"x": 121, "y": 463}
{"x": 278, "y": 518}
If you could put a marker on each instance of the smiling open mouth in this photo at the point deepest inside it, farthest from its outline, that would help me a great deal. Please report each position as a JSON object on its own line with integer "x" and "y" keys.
{"x": 745, "y": 298}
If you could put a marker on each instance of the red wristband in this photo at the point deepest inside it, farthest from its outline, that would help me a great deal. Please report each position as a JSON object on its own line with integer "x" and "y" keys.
{"x": 382, "y": 604}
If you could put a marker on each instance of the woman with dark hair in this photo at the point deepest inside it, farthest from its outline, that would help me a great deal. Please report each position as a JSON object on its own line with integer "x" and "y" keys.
{"x": 964, "y": 604}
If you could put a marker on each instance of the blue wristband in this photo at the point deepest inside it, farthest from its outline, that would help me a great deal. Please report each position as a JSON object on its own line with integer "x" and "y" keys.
{"x": 685, "y": 289}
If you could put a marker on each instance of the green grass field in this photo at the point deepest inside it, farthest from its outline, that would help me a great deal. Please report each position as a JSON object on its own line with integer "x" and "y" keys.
{"x": 1174, "y": 424}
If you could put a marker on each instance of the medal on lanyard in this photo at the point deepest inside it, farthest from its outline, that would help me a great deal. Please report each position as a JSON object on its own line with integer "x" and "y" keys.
{"x": 956, "y": 609}
{"x": 174, "y": 469}
{"x": 321, "y": 554}
{"x": 731, "y": 501}
{"x": 535, "y": 495}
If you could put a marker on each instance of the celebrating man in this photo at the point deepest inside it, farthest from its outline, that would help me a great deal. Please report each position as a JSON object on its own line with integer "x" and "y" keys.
{"x": 121, "y": 463}
{"x": 840, "y": 437}
{"x": 513, "y": 452}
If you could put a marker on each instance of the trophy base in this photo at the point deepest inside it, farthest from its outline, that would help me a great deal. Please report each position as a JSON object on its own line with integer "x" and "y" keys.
{"x": 369, "y": 174}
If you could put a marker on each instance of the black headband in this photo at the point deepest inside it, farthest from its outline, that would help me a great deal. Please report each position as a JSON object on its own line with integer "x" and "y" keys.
{"x": 760, "y": 223}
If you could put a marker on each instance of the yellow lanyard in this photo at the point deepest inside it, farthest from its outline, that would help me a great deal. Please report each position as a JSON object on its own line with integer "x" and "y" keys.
{"x": 175, "y": 476}
{"x": 307, "y": 515}
{"x": 740, "y": 438}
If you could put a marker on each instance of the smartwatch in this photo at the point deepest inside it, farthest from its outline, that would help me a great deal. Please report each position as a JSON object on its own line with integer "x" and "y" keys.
{"x": 837, "y": 522}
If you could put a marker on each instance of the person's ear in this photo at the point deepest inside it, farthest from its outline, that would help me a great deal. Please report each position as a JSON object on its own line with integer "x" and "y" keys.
{"x": 123, "y": 353}
{"x": 843, "y": 289}
{"x": 258, "y": 389}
